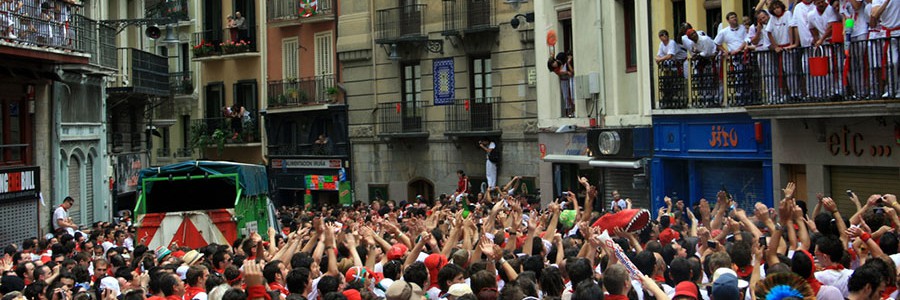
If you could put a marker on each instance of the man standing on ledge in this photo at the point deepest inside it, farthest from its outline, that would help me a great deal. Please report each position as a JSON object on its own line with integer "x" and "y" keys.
{"x": 490, "y": 165}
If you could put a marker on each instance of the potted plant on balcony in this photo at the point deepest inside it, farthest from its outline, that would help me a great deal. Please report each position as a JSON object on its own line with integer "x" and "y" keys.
{"x": 187, "y": 86}
{"x": 229, "y": 47}
{"x": 291, "y": 94}
{"x": 332, "y": 94}
{"x": 201, "y": 138}
{"x": 202, "y": 49}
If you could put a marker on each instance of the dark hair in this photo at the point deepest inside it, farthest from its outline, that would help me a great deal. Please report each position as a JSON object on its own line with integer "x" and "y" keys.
{"x": 334, "y": 296}
{"x": 679, "y": 270}
{"x": 234, "y": 294}
{"x": 579, "y": 270}
{"x": 271, "y": 269}
{"x": 588, "y": 290}
{"x": 68, "y": 199}
{"x": 888, "y": 243}
{"x": 645, "y": 261}
{"x": 392, "y": 269}
{"x": 534, "y": 263}
{"x": 328, "y": 284}
{"x": 730, "y": 14}
{"x": 776, "y": 4}
{"x": 512, "y": 291}
{"x": 167, "y": 283}
{"x": 482, "y": 280}
{"x": 447, "y": 273}
{"x": 193, "y": 274}
{"x": 865, "y": 275}
{"x": 831, "y": 246}
{"x": 551, "y": 282}
{"x": 296, "y": 280}
{"x": 33, "y": 291}
{"x": 741, "y": 254}
{"x": 801, "y": 265}
{"x": 416, "y": 273}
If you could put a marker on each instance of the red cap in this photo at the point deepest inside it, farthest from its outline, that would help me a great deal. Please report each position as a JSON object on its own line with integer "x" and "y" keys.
{"x": 687, "y": 289}
{"x": 434, "y": 263}
{"x": 357, "y": 273}
{"x": 352, "y": 294}
{"x": 178, "y": 254}
{"x": 397, "y": 251}
{"x": 688, "y": 32}
{"x": 668, "y": 235}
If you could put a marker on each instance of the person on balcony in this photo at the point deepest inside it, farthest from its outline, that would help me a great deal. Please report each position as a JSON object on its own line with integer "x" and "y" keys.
{"x": 820, "y": 20}
{"x": 732, "y": 41}
{"x": 781, "y": 36}
{"x": 859, "y": 11}
{"x": 241, "y": 24}
{"x": 672, "y": 61}
{"x": 801, "y": 22}
{"x": 321, "y": 145}
{"x": 888, "y": 13}
{"x": 232, "y": 30}
{"x": 685, "y": 40}
{"x": 670, "y": 51}
{"x": 705, "y": 68}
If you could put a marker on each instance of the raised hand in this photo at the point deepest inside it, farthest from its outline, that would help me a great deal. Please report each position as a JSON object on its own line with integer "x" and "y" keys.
{"x": 668, "y": 201}
{"x": 789, "y": 190}
{"x": 891, "y": 199}
{"x": 704, "y": 207}
{"x": 252, "y": 273}
{"x": 762, "y": 212}
{"x": 829, "y": 204}
{"x": 873, "y": 199}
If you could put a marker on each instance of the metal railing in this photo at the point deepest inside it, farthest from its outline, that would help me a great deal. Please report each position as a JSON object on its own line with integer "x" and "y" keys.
{"x": 401, "y": 117}
{"x": 473, "y": 115}
{"x": 400, "y": 22}
{"x": 107, "y": 39}
{"x": 336, "y": 149}
{"x": 468, "y": 15}
{"x": 311, "y": 90}
{"x": 293, "y": 9}
{"x": 173, "y": 9}
{"x": 234, "y": 130}
{"x": 184, "y": 152}
{"x": 51, "y": 23}
{"x": 860, "y": 70}
{"x": 143, "y": 72}
{"x": 181, "y": 83}
{"x": 224, "y": 42}
{"x": 163, "y": 152}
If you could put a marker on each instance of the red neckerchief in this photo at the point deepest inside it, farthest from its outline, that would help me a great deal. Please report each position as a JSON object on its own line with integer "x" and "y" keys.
{"x": 807, "y": 2}
{"x": 278, "y": 287}
{"x": 615, "y": 297}
{"x": 191, "y": 291}
{"x": 173, "y": 297}
{"x": 888, "y": 291}
{"x": 155, "y": 297}
{"x": 744, "y": 272}
{"x": 777, "y": 15}
{"x": 836, "y": 267}
{"x": 814, "y": 284}
{"x": 658, "y": 278}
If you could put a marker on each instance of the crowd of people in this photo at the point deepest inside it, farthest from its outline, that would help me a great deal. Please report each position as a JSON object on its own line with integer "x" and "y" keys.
{"x": 489, "y": 245}
{"x": 856, "y": 36}
{"x": 38, "y": 23}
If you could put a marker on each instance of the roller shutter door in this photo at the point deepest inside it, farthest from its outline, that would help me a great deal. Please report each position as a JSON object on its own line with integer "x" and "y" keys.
{"x": 18, "y": 221}
{"x": 743, "y": 180}
{"x": 621, "y": 179}
{"x": 74, "y": 174}
{"x": 89, "y": 185}
{"x": 864, "y": 181}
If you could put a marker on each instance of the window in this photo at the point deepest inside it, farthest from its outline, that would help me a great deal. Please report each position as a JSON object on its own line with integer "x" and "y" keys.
{"x": 679, "y": 13}
{"x": 290, "y": 58}
{"x": 165, "y": 139}
{"x": 565, "y": 23}
{"x": 186, "y": 131}
{"x": 184, "y": 58}
{"x": 245, "y": 95}
{"x": 630, "y": 38}
{"x": 324, "y": 58}
{"x": 215, "y": 99}
{"x": 481, "y": 77}
{"x": 12, "y": 136}
{"x": 412, "y": 84}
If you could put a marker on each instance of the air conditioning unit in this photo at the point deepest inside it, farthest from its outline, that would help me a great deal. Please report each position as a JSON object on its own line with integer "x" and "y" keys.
{"x": 626, "y": 143}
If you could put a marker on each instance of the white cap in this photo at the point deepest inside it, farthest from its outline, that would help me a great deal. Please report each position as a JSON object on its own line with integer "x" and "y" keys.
{"x": 110, "y": 283}
{"x": 182, "y": 271}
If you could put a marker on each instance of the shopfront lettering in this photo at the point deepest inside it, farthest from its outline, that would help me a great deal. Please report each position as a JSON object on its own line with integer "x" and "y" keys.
{"x": 848, "y": 143}
{"x": 722, "y": 138}
{"x": 17, "y": 182}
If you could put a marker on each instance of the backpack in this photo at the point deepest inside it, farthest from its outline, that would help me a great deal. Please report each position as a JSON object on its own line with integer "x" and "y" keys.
{"x": 494, "y": 155}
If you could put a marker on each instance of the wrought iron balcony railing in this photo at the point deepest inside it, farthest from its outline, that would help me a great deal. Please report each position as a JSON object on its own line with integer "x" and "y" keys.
{"x": 473, "y": 116}
{"x": 293, "y": 92}
{"x": 399, "y": 23}
{"x": 399, "y": 118}
{"x": 229, "y": 130}
{"x": 278, "y": 10}
{"x": 860, "y": 70}
{"x": 141, "y": 72}
{"x": 184, "y": 152}
{"x": 181, "y": 83}
{"x": 468, "y": 16}
{"x": 163, "y": 152}
{"x": 168, "y": 9}
{"x": 52, "y": 24}
{"x": 225, "y": 42}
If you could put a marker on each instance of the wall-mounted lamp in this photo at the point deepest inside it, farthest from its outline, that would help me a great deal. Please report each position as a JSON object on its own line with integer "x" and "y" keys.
{"x": 529, "y": 18}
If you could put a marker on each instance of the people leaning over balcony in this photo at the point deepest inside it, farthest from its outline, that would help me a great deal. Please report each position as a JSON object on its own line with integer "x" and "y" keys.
{"x": 731, "y": 40}
{"x": 670, "y": 53}
{"x": 820, "y": 20}
{"x": 888, "y": 13}
{"x": 858, "y": 11}
{"x": 43, "y": 23}
{"x": 781, "y": 35}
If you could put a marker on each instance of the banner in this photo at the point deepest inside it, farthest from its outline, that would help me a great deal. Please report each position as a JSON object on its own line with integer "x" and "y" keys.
{"x": 444, "y": 81}
{"x": 608, "y": 243}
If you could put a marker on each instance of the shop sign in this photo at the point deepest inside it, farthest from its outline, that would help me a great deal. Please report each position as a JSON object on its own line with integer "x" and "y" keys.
{"x": 719, "y": 137}
{"x": 306, "y": 163}
{"x": 849, "y": 143}
{"x": 321, "y": 182}
{"x": 128, "y": 170}
{"x": 19, "y": 184}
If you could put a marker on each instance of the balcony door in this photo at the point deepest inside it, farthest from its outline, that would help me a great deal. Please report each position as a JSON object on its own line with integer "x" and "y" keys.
{"x": 412, "y": 91}
{"x": 481, "y": 113}
{"x": 215, "y": 100}
{"x": 479, "y": 13}
{"x": 248, "y": 11}
{"x": 410, "y": 18}
{"x": 213, "y": 21}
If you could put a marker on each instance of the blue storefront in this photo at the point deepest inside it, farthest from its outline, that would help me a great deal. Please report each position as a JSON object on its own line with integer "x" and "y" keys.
{"x": 695, "y": 156}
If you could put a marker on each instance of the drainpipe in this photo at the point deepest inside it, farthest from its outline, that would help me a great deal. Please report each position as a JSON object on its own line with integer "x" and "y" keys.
{"x": 600, "y": 100}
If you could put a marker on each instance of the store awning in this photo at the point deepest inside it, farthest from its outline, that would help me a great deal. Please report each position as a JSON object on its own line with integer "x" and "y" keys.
{"x": 616, "y": 164}
{"x": 567, "y": 159}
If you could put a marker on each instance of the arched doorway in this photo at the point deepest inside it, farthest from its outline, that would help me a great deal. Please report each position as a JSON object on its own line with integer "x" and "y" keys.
{"x": 420, "y": 186}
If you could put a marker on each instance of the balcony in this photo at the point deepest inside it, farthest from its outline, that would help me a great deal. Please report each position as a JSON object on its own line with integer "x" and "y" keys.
{"x": 473, "y": 117}
{"x": 399, "y": 24}
{"x": 184, "y": 152}
{"x": 293, "y": 12}
{"x": 167, "y": 9}
{"x": 107, "y": 41}
{"x": 402, "y": 119}
{"x": 469, "y": 16}
{"x": 777, "y": 80}
{"x": 301, "y": 92}
{"x": 181, "y": 83}
{"x": 163, "y": 152}
{"x": 233, "y": 42}
{"x": 338, "y": 149}
{"x": 141, "y": 72}
{"x": 213, "y": 132}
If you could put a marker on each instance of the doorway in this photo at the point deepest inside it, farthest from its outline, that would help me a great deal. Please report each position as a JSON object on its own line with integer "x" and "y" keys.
{"x": 420, "y": 187}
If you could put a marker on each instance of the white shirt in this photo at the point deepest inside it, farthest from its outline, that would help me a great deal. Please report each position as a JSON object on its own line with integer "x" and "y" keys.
{"x": 822, "y": 21}
{"x": 860, "y": 17}
{"x": 687, "y": 44}
{"x": 763, "y": 43}
{"x": 492, "y": 146}
{"x": 704, "y": 46}
{"x": 801, "y": 11}
{"x": 780, "y": 29}
{"x": 59, "y": 213}
{"x": 890, "y": 18}
{"x": 836, "y": 279}
{"x": 732, "y": 38}
{"x": 671, "y": 49}
{"x": 433, "y": 293}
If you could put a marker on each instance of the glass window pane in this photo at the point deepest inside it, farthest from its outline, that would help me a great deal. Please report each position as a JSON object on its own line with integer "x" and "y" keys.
{"x": 477, "y": 63}
{"x": 487, "y": 65}
{"x": 487, "y": 80}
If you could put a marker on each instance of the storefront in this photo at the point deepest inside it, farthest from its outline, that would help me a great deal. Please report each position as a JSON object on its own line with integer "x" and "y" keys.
{"x": 20, "y": 204}
{"x": 619, "y": 167}
{"x": 831, "y": 156}
{"x": 310, "y": 181}
{"x": 697, "y": 156}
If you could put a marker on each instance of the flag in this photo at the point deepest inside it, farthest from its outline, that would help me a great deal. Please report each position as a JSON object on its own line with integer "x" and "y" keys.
{"x": 308, "y": 8}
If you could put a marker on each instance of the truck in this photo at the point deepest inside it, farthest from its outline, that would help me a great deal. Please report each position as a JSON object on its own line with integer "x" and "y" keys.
{"x": 197, "y": 203}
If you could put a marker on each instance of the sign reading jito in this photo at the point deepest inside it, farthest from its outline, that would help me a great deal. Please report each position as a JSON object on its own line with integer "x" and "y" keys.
{"x": 849, "y": 143}
{"x": 722, "y": 137}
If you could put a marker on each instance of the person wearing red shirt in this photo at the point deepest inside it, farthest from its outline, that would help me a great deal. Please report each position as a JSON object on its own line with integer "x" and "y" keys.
{"x": 275, "y": 273}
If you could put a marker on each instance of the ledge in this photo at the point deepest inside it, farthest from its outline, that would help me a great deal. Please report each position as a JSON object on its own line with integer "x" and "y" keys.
{"x": 826, "y": 110}
{"x": 226, "y": 56}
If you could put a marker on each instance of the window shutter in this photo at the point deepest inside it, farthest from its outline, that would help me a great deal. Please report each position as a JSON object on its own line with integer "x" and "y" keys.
{"x": 290, "y": 60}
